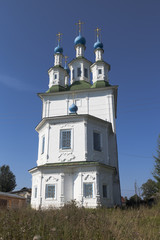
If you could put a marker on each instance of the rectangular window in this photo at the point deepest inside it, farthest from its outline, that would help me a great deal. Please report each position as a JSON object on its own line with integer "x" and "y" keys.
{"x": 97, "y": 141}
{"x": 104, "y": 191}
{"x": 65, "y": 139}
{"x": 88, "y": 190}
{"x": 86, "y": 72}
{"x": 73, "y": 74}
{"x": 78, "y": 72}
{"x": 99, "y": 71}
{"x": 35, "y": 192}
{"x": 55, "y": 76}
{"x": 50, "y": 191}
{"x": 43, "y": 144}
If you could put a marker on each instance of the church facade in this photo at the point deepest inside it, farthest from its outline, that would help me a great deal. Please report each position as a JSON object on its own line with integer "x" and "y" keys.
{"x": 77, "y": 152}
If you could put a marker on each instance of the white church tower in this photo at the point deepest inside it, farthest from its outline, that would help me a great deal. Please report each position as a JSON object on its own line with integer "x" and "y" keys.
{"x": 77, "y": 152}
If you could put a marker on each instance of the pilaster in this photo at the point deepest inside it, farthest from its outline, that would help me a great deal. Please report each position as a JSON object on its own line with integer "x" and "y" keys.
{"x": 80, "y": 175}
{"x": 48, "y": 130}
{"x": 62, "y": 190}
{"x": 97, "y": 190}
{"x": 40, "y": 191}
{"x": 85, "y": 140}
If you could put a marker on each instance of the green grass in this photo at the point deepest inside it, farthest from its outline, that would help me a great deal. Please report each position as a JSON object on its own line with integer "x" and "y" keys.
{"x": 73, "y": 223}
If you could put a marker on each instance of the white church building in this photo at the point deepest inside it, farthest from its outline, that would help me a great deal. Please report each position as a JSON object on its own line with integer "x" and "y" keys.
{"x": 77, "y": 151}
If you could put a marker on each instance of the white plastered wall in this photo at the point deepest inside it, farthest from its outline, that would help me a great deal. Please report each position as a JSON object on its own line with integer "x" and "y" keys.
{"x": 80, "y": 63}
{"x": 99, "y": 104}
{"x": 69, "y": 185}
{"x": 93, "y": 155}
{"x": 53, "y": 152}
{"x": 104, "y": 72}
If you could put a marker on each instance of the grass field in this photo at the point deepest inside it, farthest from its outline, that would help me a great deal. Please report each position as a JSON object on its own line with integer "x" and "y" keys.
{"x": 73, "y": 223}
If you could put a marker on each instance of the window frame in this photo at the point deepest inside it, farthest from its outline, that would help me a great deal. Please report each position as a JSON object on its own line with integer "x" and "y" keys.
{"x": 46, "y": 191}
{"x": 43, "y": 145}
{"x": 106, "y": 191}
{"x": 35, "y": 192}
{"x": 99, "y": 69}
{"x": 61, "y": 139}
{"x": 79, "y": 72}
{"x": 88, "y": 196}
{"x": 55, "y": 76}
{"x": 86, "y": 71}
{"x": 73, "y": 74}
{"x": 99, "y": 149}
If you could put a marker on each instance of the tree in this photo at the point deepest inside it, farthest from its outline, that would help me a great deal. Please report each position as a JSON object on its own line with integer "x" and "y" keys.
{"x": 156, "y": 172}
{"x": 135, "y": 199}
{"x": 7, "y": 179}
{"x": 149, "y": 189}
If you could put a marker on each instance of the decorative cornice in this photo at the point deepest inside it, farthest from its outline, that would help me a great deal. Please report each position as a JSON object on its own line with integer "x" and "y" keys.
{"x": 79, "y": 58}
{"x": 72, "y": 118}
{"x": 101, "y": 62}
{"x": 73, "y": 164}
{"x": 66, "y": 91}
{"x": 66, "y": 126}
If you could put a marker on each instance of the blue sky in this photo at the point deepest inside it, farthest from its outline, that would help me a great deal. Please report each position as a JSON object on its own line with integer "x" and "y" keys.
{"x": 131, "y": 38}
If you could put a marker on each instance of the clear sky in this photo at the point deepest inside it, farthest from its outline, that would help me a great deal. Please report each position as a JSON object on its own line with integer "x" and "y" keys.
{"x": 131, "y": 38}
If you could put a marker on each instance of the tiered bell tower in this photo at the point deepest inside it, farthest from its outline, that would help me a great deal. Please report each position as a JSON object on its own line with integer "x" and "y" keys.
{"x": 58, "y": 76}
{"x": 77, "y": 150}
{"x": 100, "y": 68}
{"x": 80, "y": 66}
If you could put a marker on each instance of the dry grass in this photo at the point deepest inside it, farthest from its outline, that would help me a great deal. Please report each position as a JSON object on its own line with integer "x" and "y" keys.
{"x": 73, "y": 223}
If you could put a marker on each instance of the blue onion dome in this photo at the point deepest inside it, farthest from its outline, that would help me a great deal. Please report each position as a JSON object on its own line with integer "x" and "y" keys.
{"x": 73, "y": 108}
{"x": 58, "y": 49}
{"x": 98, "y": 44}
{"x": 80, "y": 40}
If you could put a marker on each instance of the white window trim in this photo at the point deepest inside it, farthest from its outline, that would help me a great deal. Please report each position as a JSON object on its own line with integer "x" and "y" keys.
{"x": 50, "y": 198}
{"x": 55, "y": 76}
{"x": 99, "y": 74}
{"x": 92, "y": 190}
{"x": 60, "y": 142}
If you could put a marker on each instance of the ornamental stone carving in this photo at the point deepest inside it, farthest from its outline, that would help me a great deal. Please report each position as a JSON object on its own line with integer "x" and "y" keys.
{"x": 66, "y": 157}
{"x": 89, "y": 177}
{"x": 51, "y": 178}
{"x": 67, "y": 126}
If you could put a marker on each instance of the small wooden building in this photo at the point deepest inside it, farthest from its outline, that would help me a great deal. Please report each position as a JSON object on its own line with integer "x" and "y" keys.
{"x": 24, "y": 192}
{"x": 8, "y": 200}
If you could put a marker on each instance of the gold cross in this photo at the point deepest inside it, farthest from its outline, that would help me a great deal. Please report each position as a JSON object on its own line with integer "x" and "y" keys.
{"x": 98, "y": 31}
{"x": 65, "y": 57}
{"x": 59, "y": 36}
{"x": 80, "y": 25}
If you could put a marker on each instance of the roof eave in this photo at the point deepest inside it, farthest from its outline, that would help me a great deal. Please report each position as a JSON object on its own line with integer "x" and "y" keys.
{"x": 78, "y": 58}
{"x": 101, "y": 61}
{"x": 72, "y": 164}
{"x": 76, "y": 116}
{"x": 41, "y": 95}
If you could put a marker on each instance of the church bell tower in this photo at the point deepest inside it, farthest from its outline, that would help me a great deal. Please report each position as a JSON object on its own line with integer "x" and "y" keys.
{"x": 77, "y": 150}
